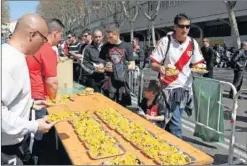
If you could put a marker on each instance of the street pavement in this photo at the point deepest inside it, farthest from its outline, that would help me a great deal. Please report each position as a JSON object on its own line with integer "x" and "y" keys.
{"x": 219, "y": 151}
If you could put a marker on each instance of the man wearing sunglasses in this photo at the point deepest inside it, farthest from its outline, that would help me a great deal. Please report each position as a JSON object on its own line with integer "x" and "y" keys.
{"x": 74, "y": 48}
{"x": 43, "y": 73}
{"x": 29, "y": 35}
{"x": 86, "y": 39}
{"x": 180, "y": 52}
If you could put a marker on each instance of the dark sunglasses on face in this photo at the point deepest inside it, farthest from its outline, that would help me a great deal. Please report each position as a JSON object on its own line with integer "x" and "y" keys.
{"x": 69, "y": 37}
{"x": 42, "y": 36}
{"x": 183, "y": 26}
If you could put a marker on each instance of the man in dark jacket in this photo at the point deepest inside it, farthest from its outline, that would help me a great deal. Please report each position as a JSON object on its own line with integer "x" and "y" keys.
{"x": 209, "y": 56}
{"x": 92, "y": 65}
{"x": 238, "y": 62}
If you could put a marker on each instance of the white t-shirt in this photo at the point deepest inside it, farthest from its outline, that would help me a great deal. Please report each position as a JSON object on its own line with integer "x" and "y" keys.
{"x": 179, "y": 55}
{"x": 16, "y": 97}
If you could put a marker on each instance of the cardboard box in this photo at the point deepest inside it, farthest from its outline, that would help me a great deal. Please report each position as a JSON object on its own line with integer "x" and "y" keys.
{"x": 65, "y": 74}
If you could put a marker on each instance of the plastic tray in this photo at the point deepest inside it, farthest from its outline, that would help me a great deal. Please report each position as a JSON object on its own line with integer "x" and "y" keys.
{"x": 80, "y": 94}
{"x": 104, "y": 121}
{"x": 193, "y": 160}
{"x": 60, "y": 104}
{"x": 123, "y": 151}
{"x": 107, "y": 162}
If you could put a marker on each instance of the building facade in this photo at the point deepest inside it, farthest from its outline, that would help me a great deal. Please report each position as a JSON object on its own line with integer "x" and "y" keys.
{"x": 209, "y": 19}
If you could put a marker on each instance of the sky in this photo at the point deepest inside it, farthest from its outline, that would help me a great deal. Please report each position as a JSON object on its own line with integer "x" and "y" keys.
{"x": 19, "y": 8}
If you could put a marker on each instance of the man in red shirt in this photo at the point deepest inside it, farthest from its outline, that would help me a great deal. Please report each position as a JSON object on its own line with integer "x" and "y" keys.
{"x": 43, "y": 73}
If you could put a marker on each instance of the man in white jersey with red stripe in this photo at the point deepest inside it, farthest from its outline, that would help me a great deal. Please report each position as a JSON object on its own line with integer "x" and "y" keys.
{"x": 173, "y": 58}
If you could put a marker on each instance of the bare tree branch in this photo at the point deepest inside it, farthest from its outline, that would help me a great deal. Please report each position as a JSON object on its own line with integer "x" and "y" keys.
{"x": 156, "y": 11}
{"x": 143, "y": 10}
{"x": 125, "y": 10}
{"x": 136, "y": 12}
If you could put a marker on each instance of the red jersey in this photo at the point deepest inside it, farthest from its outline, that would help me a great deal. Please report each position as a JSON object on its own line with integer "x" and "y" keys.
{"x": 42, "y": 65}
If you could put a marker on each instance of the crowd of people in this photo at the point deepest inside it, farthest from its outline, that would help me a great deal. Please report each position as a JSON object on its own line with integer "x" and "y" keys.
{"x": 235, "y": 59}
{"x": 101, "y": 60}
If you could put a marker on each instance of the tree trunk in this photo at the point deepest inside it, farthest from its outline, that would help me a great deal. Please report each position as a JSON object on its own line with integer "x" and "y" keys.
{"x": 234, "y": 27}
{"x": 153, "y": 33}
{"x": 131, "y": 31}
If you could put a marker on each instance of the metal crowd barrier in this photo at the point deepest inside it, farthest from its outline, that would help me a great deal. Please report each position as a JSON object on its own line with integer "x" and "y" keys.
{"x": 234, "y": 115}
{"x": 233, "y": 111}
{"x": 136, "y": 83}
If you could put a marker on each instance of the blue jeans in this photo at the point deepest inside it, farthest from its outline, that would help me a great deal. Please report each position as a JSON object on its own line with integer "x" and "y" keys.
{"x": 174, "y": 126}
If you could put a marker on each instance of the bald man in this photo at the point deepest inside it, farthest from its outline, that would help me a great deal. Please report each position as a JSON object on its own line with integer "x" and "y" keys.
{"x": 29, "y": 35}
{"x": 43, "y": 75}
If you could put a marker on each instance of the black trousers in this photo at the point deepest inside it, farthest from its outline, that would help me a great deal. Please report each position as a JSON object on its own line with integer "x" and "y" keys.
{"x": 95, "y": 81}
{"x": 11, "y": 155}
{"x": 237, "y": 81}
{"x": 76, "y": 71}
{"x": 18, "y": 154}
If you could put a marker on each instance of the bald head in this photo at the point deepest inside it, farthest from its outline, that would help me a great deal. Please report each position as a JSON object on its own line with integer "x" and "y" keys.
{"x": 97, "y": 37}
{"x": 30, "y": 34}
{"x": 31, "y": 22}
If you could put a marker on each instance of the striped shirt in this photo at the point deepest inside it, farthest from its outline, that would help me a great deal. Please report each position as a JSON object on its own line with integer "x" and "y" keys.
{"x": 75, "y": 47}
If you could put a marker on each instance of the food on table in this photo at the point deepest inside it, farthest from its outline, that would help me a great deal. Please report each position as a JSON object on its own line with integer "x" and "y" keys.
{"x": 171, "y": 70}
{"x": 105, "y": 150}
{"x": 174, "y": 159}
{"x": 82, "y": 114}
{"x": 87, "y": 91}
{"x": 127, "y": 159}
{"x": 199, "y": 68}
{"x": 66, "y": 115}
{"x": 62, "y": 99}
{"x": 147, "y": 142}
{"x": 99, "y": 143}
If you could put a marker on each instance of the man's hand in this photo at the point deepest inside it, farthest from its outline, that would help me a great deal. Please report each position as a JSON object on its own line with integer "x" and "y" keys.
{"x": 44, "y": 126}
{"x": 108, "y": 67}
{"x": 74, "y": 55}
{"x": 162, "y": 70}
{"x": 100, "y": 69}
{"x": 39, "y": 104}
{"x": 148, "y": 117}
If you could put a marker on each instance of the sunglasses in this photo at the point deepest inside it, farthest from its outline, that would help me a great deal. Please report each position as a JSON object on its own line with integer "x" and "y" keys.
{"x": 183, "y": 26}
{"x": 69, "y": 37}
{"x": 42, "y": 36}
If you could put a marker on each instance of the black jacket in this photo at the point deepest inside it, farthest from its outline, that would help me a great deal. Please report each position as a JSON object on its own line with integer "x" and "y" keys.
{"x": 210, "y": 56}
{"x": 239, "y": 60}
{"x": 91, "y": 55}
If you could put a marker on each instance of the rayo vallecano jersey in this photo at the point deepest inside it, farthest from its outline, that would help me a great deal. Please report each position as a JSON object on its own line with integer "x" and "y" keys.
{"x": 179, "y": 55}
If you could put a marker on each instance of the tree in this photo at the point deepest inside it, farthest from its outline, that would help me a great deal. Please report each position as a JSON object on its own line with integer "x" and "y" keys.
{"x": 129, "y": 17}
{"x": 70, "y": 12}
{"x": 5, "y": 11}
{"x": 152, "y": 15}
{"x": 234, "y": 26}
{"x": 115, "y": 9}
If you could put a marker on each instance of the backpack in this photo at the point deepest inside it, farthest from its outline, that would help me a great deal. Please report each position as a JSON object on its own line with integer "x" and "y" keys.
{"x": 168, "y": 47}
